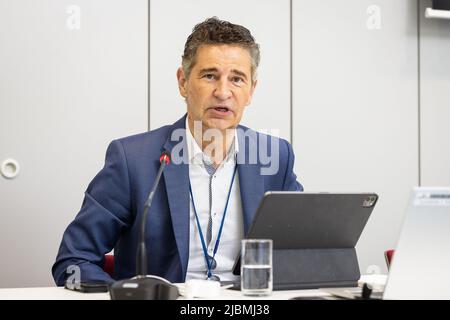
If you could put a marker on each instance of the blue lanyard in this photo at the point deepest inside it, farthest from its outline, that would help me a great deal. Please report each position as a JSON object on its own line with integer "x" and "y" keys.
{"x": 216, "y": 246}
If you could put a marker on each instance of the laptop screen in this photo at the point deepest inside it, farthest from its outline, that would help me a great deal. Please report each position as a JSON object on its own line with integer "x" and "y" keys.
{"x": 421, "y": 263}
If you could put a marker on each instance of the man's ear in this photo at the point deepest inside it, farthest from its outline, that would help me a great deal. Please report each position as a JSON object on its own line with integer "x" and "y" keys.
{"x": 182, "y": 82}
{"x": 252, "y": 90}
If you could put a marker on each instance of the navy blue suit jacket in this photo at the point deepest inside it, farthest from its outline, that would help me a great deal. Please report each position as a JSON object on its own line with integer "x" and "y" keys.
{"x": 113, "y": 204}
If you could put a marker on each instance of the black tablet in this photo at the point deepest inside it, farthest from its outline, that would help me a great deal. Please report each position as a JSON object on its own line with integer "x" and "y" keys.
{"x": 302, "y": 220}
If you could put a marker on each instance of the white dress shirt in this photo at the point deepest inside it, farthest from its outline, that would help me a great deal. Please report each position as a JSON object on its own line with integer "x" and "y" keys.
{"x": 233, "y": 230}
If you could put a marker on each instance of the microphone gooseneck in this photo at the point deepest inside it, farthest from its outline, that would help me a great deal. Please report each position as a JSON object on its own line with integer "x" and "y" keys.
{"x": 141, "y": 258}
{"x": 143, "y": 286}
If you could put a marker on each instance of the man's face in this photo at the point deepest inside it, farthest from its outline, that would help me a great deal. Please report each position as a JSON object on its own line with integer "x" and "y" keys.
{"x": 219, "y": 86}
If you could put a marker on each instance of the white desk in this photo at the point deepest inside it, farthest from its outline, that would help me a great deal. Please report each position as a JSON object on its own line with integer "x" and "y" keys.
{"x": 59, "y": 293}
{"x": 49, "y": 293}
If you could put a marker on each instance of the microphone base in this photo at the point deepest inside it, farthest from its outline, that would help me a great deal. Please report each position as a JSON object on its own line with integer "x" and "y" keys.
{"x": 143, "y": 288}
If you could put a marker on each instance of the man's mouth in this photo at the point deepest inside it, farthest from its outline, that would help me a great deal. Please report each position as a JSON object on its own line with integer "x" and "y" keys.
{"x": 221, "y": 109}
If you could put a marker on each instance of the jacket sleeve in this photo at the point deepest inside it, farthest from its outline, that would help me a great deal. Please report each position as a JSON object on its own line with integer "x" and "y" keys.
{"x": 105, "y": 212}
{"x": 290, "y": 179}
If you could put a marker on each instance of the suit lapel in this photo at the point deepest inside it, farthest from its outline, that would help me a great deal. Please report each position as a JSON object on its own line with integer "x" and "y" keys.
{"x": 176, "y": 178}
{"x": 251, "y": 181}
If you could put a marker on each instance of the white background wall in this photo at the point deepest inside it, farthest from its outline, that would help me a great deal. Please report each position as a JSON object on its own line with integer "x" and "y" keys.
{"x": 434, "y": 100}
{"x": 363, "y": 95}
{"x": 355, "y": 107}
{"x": 64, "y": 95}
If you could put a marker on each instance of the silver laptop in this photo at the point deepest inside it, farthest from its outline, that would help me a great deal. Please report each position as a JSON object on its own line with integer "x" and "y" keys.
{"x": 420, "y": 268}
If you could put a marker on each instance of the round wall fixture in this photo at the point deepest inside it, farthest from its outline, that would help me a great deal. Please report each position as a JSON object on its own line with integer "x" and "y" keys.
{"x": 10, "y": 168}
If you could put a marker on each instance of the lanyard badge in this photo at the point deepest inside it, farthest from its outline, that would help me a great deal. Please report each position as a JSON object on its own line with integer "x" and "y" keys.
{"x": 211, "y": 263}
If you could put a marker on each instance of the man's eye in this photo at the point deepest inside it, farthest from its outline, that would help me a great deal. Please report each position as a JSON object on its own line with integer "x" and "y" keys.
{"x": 237, "y": 79}
{"x": 209, "y": 76}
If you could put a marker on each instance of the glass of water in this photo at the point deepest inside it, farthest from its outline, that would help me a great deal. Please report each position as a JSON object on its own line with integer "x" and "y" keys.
{"x": 256, "y": 267}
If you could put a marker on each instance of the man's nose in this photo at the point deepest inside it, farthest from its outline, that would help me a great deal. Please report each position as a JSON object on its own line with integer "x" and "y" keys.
{"x": 222, "y": 90}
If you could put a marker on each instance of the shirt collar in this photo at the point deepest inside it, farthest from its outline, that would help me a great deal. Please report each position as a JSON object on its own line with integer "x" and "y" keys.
{"x": 196, "y": 154}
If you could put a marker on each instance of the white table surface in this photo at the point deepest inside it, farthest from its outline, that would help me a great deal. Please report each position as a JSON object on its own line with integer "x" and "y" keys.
{"x": 59, "y": 293}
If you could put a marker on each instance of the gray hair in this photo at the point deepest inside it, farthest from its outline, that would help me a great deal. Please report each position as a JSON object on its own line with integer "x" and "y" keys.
{"x": 213, "y": 31}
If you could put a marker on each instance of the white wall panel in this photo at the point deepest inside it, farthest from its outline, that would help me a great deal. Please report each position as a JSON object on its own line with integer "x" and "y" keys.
{"x": 64, "y": 94}
{"x": 355, "y": 107}
{"x": 434, "y": 99}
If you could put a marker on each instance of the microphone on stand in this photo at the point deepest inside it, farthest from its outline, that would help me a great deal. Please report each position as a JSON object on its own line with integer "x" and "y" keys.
{"x": 143, "y": 286}
{"x": 141, "y": 257}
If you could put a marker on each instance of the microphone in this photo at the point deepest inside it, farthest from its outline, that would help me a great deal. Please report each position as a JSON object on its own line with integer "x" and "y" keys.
{"x": 141, "y": 257}
{"x": 143, "y": 286}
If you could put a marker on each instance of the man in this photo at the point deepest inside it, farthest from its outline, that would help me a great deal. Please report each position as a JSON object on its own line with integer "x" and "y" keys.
{"x": 209, "y": 193}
